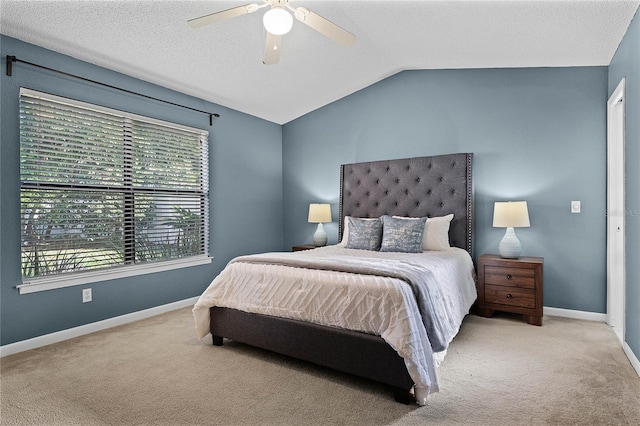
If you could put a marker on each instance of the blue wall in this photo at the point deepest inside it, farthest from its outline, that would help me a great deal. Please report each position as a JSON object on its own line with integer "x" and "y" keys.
{"x": 626, "y": 63}
{"x": 537, "y": 135}
{"x": 246, "y": 171}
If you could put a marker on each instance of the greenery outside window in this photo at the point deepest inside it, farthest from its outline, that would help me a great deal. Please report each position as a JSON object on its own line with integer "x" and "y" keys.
{"x": 106, "y": 193}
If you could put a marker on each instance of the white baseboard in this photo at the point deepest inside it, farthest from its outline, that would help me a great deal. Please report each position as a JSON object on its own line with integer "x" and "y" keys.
{"x": 569, "y": 313}
{"x": 633, "y": 359}
{"x": 70, "y": 333}
{"x": 593, "y": 316}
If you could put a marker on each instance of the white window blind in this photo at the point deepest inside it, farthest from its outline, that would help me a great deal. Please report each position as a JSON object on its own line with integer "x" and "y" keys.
{"x": 103, "y": 189}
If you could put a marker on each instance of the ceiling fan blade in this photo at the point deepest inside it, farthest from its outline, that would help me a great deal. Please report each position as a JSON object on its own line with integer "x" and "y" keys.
{"x": 221, "y": 16}
{"x": 272, "y": 49}
{"x": 324, "y": 26}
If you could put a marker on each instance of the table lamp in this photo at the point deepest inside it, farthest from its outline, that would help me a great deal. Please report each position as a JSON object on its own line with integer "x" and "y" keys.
{"x": 510, "y": 214}
{"x": 319, "y": 213}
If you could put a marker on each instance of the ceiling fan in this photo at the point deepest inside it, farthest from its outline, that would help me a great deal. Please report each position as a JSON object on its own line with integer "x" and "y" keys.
{"x": 278, "y": 21}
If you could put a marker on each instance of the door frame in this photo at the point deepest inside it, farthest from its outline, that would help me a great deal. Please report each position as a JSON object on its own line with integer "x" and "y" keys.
{"x": 616, "y": 280}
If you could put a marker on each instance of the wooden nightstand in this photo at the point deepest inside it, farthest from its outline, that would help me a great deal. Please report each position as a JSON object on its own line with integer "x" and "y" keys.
{"x": 303, "y": 247}
{"x": 510, "y": 285}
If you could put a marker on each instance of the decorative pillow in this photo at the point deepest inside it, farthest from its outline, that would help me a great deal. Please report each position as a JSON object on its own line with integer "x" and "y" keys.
{"x": 363, "y": 233}
{"x": 436, "y": 233}
{"x": 403, "y": 235}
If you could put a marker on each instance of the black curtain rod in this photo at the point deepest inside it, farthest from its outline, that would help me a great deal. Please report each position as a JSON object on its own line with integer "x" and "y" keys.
{"x": 12, "y": 59}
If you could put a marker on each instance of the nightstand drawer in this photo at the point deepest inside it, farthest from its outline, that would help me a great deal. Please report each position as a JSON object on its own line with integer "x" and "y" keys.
{"x": 510, "y": 296}
{"x": 508, "y": 276}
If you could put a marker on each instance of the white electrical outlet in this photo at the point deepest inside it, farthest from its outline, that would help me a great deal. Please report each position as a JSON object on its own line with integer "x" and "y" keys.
{"x": 86, "y": 295}
{"x": 575, "y": 207}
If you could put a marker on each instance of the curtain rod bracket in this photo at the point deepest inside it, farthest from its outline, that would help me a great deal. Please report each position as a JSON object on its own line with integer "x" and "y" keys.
{"x": 11, "y": 59}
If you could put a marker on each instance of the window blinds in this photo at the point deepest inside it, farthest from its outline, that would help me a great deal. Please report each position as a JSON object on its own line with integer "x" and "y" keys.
{"x": 101, "y": 188}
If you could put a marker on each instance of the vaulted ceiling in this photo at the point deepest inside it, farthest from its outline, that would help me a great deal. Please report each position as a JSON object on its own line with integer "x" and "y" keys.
{"x": 222, "y": 62}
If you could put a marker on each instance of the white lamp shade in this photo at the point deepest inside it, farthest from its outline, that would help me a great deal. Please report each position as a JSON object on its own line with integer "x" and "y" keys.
{"x": 277, "y": 21}
{"x": 319, "y": 213}
{"x": 511, "y": 214}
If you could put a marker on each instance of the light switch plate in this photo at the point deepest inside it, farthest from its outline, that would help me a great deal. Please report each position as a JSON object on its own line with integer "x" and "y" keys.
{"x": 575, "y": 207}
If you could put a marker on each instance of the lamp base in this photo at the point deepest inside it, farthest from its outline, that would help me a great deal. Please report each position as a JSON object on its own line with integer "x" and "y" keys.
{"x": 320, "y": 237}
{"x": 510, "y": 247}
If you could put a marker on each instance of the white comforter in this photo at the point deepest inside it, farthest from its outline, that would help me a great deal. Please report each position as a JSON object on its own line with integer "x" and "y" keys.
{"x": 381, "y": 305}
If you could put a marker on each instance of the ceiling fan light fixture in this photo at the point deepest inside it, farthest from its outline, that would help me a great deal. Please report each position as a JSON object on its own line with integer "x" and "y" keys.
{"x": 277, "y": 21}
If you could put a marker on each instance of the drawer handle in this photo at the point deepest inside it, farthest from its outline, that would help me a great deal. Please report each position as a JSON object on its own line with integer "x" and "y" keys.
{"x": 509, "y": 296}
{"x": 509, "y": 276}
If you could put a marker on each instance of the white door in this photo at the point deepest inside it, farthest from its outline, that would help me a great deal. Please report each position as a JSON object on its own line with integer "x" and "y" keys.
{"x": 615, "y": 211}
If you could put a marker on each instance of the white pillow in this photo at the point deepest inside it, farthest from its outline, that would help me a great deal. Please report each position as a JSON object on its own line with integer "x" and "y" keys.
{"x": 436, "y": 232}
{"x": 345, "y": 233}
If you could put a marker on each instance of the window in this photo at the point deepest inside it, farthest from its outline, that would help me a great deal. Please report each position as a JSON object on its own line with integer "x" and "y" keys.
{"x": 106, "y": 193}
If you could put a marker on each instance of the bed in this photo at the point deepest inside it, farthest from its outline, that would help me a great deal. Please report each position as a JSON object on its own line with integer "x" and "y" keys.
{"x": 400, "y": 349}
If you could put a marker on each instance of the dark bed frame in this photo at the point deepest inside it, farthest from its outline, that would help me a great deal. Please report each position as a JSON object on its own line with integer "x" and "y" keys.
{"x": 416, "y": 187}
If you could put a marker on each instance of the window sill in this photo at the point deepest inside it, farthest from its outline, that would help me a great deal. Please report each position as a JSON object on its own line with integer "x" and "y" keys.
{"x": 69, "y": 280}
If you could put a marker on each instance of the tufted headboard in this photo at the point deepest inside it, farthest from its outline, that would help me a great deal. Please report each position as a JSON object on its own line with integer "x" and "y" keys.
{"x": 415, "y": 187}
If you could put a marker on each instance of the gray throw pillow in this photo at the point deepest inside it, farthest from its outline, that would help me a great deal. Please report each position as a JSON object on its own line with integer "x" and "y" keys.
{"x": 364, "y": 234}
{"x": 402, "y": 235}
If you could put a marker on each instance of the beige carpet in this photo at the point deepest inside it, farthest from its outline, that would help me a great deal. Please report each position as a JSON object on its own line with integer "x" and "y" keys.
{"x": 498, "y": 371}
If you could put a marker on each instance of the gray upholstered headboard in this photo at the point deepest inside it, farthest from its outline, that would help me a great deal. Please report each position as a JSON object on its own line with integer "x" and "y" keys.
{"x": 416, "y": 187}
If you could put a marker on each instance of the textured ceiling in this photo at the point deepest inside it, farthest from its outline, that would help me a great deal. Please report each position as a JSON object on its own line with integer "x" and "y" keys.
{"x": 222, "y": 63}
